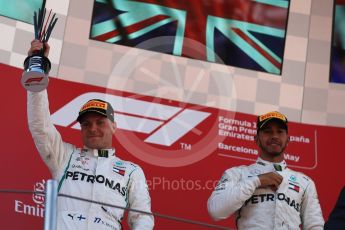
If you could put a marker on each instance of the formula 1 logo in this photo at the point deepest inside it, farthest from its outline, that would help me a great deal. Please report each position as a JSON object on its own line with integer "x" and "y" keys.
{"x": 164, "y": 124}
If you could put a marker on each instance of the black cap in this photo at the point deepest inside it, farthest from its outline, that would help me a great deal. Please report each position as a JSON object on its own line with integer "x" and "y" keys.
{"x": 97, "y": 106}
{"x": 265, "y": 118}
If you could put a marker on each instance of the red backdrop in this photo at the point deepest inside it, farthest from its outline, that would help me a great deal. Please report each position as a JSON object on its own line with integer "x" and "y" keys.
{"x": 180, "y": 176}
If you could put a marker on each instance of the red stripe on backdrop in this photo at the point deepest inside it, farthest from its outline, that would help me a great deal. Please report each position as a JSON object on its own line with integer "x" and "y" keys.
{"x": 257, "y": 47}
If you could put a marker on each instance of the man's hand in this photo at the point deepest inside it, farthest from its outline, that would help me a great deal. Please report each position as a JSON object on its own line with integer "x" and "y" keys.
{"x": 271, "y": 179}
{"x": 36, "y": 46}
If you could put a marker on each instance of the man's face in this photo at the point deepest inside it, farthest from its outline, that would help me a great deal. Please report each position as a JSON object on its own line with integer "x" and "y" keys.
{"x": 97, "y": 131}
{"x": 272, "y": 139}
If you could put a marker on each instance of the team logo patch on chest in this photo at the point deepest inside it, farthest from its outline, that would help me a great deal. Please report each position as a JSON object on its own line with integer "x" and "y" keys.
{"x": 81, "y": 162}
{"x": 294, "y": 187}
{"x": 293, "y": 184}
{"x": 119, "y": 168}
{"x": 119, "y": 171}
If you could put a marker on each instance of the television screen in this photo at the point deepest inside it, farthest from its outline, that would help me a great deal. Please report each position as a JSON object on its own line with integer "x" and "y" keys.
{"x": 19, "y": 9}
{"x": 338, "y": 44}
{"x": 242, "y": 33}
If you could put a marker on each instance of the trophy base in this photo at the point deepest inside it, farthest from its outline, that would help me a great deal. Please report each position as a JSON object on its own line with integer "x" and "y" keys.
{"x": 34, "y": 81}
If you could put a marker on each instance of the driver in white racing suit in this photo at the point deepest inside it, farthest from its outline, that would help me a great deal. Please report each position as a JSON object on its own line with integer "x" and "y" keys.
{"x": 267, "y": 194}
{"x": 93, "y": 172}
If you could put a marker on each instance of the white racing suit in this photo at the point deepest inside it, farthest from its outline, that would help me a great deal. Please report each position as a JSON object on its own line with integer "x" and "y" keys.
{"x": 294, "y": 204}
{"x": 83, "y": 173}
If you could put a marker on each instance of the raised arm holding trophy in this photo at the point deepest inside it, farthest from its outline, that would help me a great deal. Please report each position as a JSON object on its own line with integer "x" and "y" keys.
{"x": 92, "y": 172}
{"x": 37, "y": 65}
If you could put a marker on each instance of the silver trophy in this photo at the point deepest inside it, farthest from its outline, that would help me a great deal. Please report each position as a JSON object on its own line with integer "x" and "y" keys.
{"x": 37, "y": 66}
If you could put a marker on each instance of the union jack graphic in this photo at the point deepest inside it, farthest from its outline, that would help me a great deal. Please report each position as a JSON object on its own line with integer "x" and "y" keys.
{"x": 243, "y": 33}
